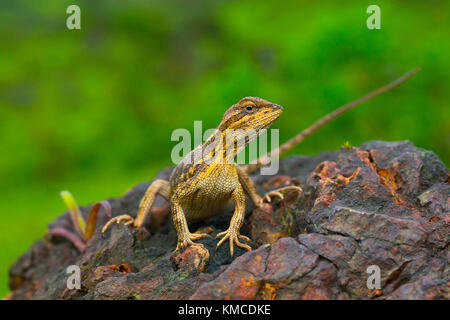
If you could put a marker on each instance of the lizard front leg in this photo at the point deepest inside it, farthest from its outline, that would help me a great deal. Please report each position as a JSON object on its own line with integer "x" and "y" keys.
{"x": 160, "y": 187}
{"x": 185, "y": 237}
{"x": 250, "y": 189}
{"x": 236, "y": 222}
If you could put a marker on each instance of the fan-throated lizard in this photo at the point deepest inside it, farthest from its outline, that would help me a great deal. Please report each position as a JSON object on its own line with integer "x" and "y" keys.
{"x": 207, "y": 180}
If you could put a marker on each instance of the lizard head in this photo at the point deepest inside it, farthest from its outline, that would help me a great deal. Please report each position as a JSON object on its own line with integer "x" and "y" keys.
{"x": 241, "y": 123}
{"x": 250, "y": 113}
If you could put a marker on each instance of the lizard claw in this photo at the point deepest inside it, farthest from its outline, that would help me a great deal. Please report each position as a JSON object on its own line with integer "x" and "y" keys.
{"x": 271, "y": 194}
{"x": 187, "y": 240}
{"x": 278, "y": 193}
{"x": 234, "y": 237}
{"x": 125, "y": 217}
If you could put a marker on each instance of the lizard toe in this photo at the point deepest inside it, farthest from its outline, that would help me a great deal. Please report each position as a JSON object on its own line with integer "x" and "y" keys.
{"x": 233, "y": 237}
{"x": 125, "y": 217}
{"x": 279, "y": 193}
{"x": 242, "y": 245}
{"x": 246, "y": 239}
{"x": 196, "y": 236}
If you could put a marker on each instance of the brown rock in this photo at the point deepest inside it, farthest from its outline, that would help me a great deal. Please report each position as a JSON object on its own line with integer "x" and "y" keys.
{"x": 385, "y": 204}
{"x": 193, "y": 259}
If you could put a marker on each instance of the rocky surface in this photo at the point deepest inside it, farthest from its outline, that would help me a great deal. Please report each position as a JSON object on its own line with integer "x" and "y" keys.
{"x": 384, "y": 204}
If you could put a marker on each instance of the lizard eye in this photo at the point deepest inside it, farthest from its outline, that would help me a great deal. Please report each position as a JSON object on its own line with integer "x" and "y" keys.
{"x": 249, "y": 107}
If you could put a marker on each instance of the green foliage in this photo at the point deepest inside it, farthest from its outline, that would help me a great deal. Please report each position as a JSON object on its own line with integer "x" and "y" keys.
{"x": 84, "y": 230}
{"x": 75, "y": 213}
{"x": 93, "y": 109}
{"x": 347, "y": 145}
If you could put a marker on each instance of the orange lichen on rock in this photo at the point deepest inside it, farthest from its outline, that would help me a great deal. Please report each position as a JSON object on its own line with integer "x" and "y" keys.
{"x": 328, "y": 172}
{"x": 331, "y": 182}
{"x": 123, "y": 267}
{"x": 434, "y": 219}
{"x": 326, "y": 169}
{"x": 114, "y": 268}
{"x": 346, "y": 180}
{"x": 372, "y": 293}
{"x": 365, "y": 157}
{"x": 268, "y": 292}
{"x": 391, "y": 180}
{"x": 247, "y": 288}
{"x": 325, "y": 200}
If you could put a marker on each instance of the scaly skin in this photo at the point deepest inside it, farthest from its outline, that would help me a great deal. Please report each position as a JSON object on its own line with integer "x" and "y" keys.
{"x": 206, "y": 181}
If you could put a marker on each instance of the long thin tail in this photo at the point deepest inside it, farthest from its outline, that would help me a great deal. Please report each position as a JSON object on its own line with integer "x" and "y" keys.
{"x": 326, "y": 119}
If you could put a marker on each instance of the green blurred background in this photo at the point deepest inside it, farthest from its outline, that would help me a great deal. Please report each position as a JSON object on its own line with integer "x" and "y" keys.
{"x": 92, "y": 110}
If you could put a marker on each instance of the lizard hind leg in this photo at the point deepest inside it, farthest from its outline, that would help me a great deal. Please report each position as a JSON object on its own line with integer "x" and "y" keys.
{"x": 250, "y": 190}
{"x": 160, "y": 187}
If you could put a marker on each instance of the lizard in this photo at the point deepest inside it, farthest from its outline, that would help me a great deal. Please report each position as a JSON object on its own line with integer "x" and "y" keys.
{"x": 207, "y": 180}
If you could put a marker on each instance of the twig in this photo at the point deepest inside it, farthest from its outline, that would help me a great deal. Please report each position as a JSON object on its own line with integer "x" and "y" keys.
{"x": 328, "y": 118}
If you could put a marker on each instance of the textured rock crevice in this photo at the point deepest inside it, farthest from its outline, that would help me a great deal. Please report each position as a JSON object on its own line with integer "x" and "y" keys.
{"x": 384, "y": 204}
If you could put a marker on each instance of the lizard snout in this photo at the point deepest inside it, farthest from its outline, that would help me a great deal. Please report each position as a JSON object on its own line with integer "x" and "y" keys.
{"x": 277, "y": 106}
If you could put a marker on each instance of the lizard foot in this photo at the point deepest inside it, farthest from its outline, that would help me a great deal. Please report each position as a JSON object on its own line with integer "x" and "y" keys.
{"x": 187, "y": 240}
{"x": 234, "y": 237}
{"x": 278, "y": 193}
{"x": 128, "y": 221}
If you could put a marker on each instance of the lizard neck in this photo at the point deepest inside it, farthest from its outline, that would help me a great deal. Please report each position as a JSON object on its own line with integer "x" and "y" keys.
{"x": 223, "y": 146}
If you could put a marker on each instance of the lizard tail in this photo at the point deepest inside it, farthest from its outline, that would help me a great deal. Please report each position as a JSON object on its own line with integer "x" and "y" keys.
{"x": 326, "y": 119}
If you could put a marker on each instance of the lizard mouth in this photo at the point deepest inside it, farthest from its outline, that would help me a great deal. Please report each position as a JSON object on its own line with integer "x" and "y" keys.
{"x": 268, "y": 120}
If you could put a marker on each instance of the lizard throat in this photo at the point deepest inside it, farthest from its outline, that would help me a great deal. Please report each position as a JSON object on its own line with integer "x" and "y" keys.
{"x": 222, "y": 147}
